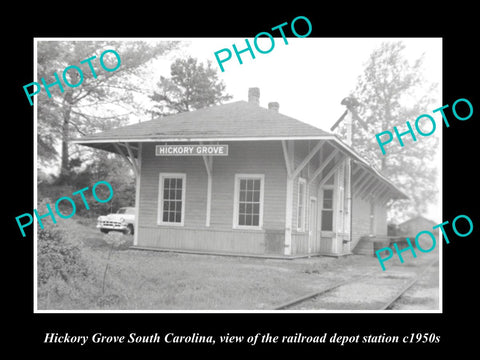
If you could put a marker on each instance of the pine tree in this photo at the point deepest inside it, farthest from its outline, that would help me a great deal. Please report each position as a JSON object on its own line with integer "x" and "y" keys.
{"x": 191, "y": 86}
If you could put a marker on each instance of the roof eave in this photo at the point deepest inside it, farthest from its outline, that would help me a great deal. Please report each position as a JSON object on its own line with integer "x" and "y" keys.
{"x": 191, "y": 139}
{"x": 103, "y": 145}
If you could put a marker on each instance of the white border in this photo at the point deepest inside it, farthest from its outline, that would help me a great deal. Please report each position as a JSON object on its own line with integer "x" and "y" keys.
{"x": 280, "y": 312}
{"x": 35, "y": 182}
{"x": 35, "y": 307}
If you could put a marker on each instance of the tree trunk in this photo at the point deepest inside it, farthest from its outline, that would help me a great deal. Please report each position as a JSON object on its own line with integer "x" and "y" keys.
{"x": 67, "y": 106}
{"x": 64, "y": 169}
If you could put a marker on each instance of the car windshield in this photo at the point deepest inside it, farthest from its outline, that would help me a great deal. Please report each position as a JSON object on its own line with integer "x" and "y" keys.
{"x": 125, "y": 211}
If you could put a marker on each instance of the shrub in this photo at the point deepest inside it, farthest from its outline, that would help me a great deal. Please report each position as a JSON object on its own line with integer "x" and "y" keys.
{"x": 58, "y": 256}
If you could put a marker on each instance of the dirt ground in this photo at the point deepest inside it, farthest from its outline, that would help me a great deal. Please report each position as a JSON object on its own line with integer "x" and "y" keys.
{"x": 424, "y": 295}
{"x": 219, "y": 282}
{"x": 377, "y": 287}
{"x": 168, "y": 281}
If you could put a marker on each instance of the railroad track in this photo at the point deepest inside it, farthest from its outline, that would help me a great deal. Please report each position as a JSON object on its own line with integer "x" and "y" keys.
{"x": 317, "y": 298}
{"x": 408, "y": 286}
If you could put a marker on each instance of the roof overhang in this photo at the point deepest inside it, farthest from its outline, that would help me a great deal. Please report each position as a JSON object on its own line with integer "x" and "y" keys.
{"x": 111, "y": 145}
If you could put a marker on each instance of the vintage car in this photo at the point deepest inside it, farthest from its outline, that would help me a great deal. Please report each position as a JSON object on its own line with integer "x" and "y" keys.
{"x": 123, "y": 221}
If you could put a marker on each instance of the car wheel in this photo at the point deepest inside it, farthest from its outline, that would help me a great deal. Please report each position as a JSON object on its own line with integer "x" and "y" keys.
{"x": 105, "y": 231}
{"x": 129, "y": 230}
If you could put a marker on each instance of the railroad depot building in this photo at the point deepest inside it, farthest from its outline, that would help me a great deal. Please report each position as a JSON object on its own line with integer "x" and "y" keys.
{"x": 238, "y": 178}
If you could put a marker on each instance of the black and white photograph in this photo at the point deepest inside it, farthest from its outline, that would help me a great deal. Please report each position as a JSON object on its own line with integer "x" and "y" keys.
{"x": 181, "y": 182}
{"x": 193, "y": 180}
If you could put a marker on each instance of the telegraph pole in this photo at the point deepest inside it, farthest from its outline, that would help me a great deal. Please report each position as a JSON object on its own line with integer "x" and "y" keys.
{"x": 350, "y": 103}
{"x": 347, "y": 223}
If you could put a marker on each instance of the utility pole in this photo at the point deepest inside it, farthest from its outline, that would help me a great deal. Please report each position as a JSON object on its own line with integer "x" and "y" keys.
{"x": 347, "y": 223}
{"x": 350, "y": 103}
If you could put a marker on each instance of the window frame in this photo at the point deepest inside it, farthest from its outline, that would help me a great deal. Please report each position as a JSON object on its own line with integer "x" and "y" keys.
{"x": 302, "y": 227}
{"x": 332, "y": 209}
{"x": 236, "y": 200}
{"x": 162, "y": 176}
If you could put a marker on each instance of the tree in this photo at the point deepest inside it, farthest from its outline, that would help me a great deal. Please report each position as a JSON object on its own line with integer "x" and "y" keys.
{"x": 389, "y": 95}
{"x": 97, "y": 103}
{"x": 192, "y": 86}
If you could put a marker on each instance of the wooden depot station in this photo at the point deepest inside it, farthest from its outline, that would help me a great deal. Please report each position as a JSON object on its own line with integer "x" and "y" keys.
{"x": 241, "y": 179}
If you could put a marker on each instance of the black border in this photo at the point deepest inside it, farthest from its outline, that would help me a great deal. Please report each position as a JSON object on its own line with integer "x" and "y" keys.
{"x": 26, "y": 330}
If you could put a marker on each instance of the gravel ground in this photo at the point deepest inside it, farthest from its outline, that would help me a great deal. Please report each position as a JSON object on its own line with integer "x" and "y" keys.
{"x": 373, "y": 291}
{"x": 424, "y": 295}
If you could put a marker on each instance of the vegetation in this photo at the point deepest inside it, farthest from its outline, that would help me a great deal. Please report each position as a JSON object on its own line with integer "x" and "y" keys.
{"x": 191, "y": 86}
{"x": 389, "y": 95}
{"x": 63, "y": 275}
{"x": 148, "y": 280}
{"x": 106, "y": 167}
{"x": 99, "y": 103}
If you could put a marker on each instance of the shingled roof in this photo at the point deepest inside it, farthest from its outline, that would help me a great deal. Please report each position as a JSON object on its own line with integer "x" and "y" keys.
{"x": 233, "y": 121}
{"x": 236, "y": 121}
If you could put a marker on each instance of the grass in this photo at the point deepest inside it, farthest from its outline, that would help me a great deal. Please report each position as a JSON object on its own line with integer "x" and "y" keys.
{"x": 150, "y": 280}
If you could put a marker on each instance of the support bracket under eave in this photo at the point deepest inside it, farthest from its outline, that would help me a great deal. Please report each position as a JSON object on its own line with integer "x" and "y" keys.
{"x": 130, "y": 158}
{"x": 287, "y": 147}
{"x": 325, "y": 163}
{"x": 307, "y": 158}
{"x": 375, "y": 192}
{"x": 208, "y": 161}
{"x": 339, "y": 162}
{"x": 369, "y": 189}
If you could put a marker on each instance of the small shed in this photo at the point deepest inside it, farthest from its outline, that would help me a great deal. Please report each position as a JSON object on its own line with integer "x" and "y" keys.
{"x": 413, "y": 226}
{"x": 238, "y": 178}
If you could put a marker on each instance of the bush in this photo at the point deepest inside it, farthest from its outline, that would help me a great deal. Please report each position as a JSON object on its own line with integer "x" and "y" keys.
{"x": 76, "y": 294}
{"x": 57, "y": 256}
{"x": 123, "y": 195}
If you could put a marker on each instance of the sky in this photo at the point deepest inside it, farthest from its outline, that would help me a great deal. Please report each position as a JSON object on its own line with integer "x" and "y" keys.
{"x": 309, "y": 77}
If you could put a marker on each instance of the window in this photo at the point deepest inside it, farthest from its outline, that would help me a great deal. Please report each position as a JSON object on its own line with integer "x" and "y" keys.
{"x": 171, "y": 199}
{"x": 248, "y": 201}
{"x": 327, "y": 210}
{"x": 302, "y": 188}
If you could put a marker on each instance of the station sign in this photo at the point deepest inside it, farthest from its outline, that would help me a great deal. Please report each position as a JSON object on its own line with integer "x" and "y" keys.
{"x": 191, "y": 150}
